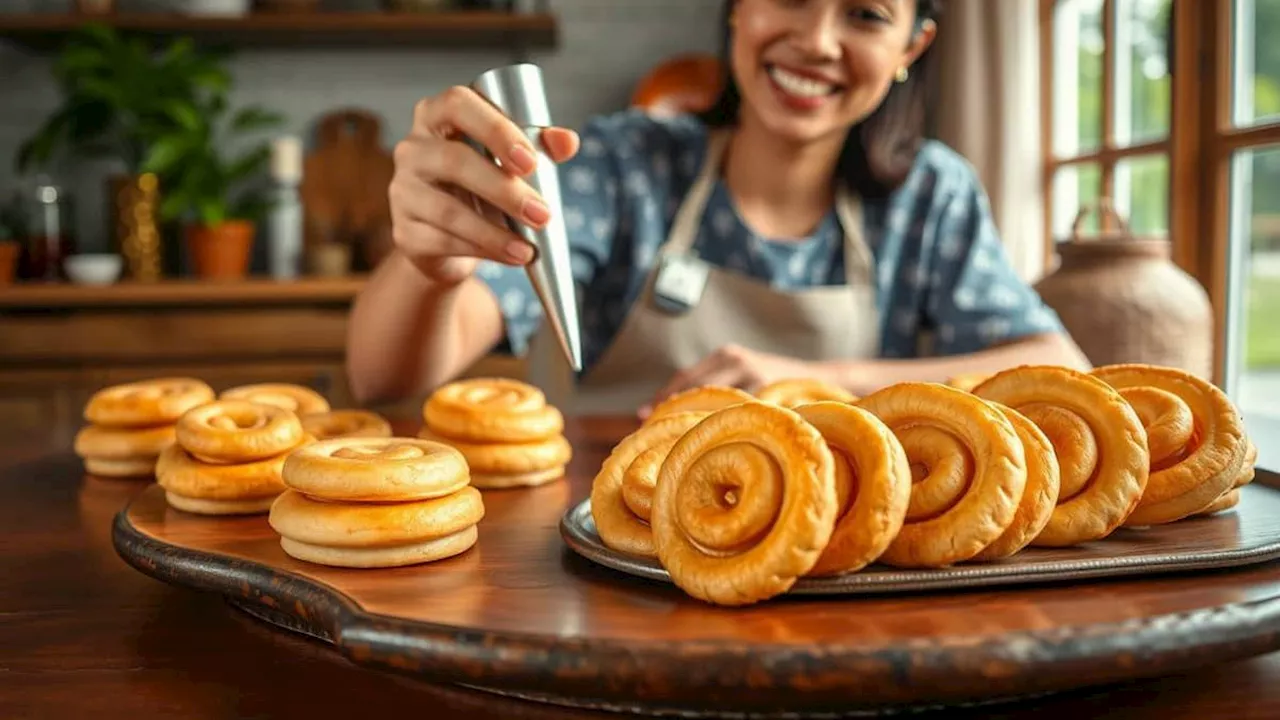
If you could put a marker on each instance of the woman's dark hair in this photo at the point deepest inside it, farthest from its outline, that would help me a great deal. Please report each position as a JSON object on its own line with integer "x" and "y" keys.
{"x": 881, "y": 149}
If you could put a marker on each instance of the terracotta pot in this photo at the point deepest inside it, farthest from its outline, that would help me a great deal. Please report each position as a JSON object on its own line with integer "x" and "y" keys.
{"x": 221, "y": 252}
{"x": 9, "y": 251}
{"x": 1123, "y": 300}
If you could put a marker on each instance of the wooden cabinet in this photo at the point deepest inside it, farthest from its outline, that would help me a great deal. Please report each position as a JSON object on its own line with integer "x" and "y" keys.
{"x": 59, "y": 344}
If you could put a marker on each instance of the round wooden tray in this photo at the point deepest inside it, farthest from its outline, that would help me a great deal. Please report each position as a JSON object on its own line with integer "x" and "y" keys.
{"x": 520, "y": 614}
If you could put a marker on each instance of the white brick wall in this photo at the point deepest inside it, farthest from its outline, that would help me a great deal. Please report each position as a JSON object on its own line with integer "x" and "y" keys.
{"x": 605, "y": 47}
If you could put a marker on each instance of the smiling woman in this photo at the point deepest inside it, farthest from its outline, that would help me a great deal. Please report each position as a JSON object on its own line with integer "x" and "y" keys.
{"x": 801, "y": 228}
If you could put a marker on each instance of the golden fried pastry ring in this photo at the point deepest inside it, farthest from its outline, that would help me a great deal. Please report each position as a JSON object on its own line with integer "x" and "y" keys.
{"x": 345, "y": 423}
{"x": 516, "y": 480}
{"x": 873, "y": 485}
{"x": 147, "y": 403}
{"x": 294, "y": 398}
{"x": 104, "y": 443}
{"x": 800, "y": 391}
{"x": 237, "y": 431}
{"x": 376, "y": 470}
{"x": 1097, "y": 438}
{"x": 1039, "y": 497}
{"x": 180, "y": 473}
{"x": 745, "y": 504}
{"x": 383, "y": 557}
{"x": 204, "y": 506}
{"x": 700, "y": 399}
{"x": 492, "y": 410}
{"x": 508, "y": 458}
{"x": 373, "y": 525}
{"x": 121, "y": 468}
{"x": 1195, "y": 437}
{"x": 619, "y": 525}
{"x": 969, "y": 469}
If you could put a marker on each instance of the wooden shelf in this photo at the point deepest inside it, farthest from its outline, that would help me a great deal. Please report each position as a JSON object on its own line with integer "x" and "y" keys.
{"x": 173, "y": 293}
{"x": 317, "y": 29}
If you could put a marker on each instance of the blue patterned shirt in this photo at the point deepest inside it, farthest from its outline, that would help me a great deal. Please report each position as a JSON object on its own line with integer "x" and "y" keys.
{"x": 940, "y": 265}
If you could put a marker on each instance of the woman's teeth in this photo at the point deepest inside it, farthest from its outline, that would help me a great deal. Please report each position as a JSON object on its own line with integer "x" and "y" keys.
{"x": 798, "y": 85}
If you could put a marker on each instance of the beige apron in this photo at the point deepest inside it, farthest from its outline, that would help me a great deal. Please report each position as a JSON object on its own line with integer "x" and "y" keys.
{"x": 820, "y": 323}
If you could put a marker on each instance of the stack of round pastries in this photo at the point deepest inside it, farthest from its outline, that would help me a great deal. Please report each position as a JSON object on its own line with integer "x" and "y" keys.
{"x": 504, "y": 428}
{"x": 132, "y": 424}
{"x": 737, "y": 498}
{"x": 376, "y": 502}
{"x": 228, "y": 457}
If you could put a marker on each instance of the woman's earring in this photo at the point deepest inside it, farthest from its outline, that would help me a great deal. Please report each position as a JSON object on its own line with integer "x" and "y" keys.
{"x": 902, "y": 75}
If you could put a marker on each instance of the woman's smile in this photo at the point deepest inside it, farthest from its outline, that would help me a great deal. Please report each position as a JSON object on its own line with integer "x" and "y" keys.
{"x": 799, "y": 89}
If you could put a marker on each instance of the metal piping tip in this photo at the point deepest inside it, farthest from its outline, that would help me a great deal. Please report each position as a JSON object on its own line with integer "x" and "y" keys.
{"x": 518, "y": 92}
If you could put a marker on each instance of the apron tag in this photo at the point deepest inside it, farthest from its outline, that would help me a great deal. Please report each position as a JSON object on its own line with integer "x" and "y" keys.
{"x": 679, "y": 283}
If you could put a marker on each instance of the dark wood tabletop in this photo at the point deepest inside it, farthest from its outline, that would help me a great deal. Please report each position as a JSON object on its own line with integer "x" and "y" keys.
{"x": 84, "y": 635}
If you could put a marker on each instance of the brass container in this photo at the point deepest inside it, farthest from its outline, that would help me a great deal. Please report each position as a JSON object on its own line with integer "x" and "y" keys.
{"x": 135, "y": 206}
{"x": 1124, "y": 301}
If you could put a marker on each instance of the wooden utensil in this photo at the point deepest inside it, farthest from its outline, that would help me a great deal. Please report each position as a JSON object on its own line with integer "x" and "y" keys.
{"x": 344, "y": 187}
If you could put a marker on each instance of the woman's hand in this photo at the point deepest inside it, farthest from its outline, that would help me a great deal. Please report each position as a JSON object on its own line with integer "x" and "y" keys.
{"x": 434, "y": 222}
{"x": 736, "y": 366}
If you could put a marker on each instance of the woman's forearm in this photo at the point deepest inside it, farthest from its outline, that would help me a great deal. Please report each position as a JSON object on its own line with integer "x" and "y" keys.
{"x": 408, "y": 334}
{"x": 865, "y": 376}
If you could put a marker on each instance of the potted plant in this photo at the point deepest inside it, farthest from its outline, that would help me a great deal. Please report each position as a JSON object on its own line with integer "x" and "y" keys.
{"x": 119, "y": 97}
{"x": 208, "y": 189}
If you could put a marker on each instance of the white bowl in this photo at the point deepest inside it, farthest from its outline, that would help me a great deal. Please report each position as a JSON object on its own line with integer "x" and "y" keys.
{"x": 94, "y": 268}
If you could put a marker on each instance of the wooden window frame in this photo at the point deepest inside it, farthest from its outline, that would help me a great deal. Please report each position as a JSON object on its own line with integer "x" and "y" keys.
{"x": 1200, "y": 145}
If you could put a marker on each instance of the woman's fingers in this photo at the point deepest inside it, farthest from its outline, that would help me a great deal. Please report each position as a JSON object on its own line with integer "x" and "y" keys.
{"x": 446, "y": 162}
{"x": 462, "y": 230}
{"x": 560, "y": 144}
{"x": 461, "y": 110}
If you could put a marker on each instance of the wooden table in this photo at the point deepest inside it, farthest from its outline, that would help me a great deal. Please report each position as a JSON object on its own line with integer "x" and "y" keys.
{"x": 82, "y": 634}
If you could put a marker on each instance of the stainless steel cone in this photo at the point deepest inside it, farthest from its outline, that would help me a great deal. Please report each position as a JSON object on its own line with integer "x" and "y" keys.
{"x": 517, "y": 91}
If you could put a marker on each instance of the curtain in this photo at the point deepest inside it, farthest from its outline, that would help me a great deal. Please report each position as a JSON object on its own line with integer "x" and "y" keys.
{"x": 989, "y": 111}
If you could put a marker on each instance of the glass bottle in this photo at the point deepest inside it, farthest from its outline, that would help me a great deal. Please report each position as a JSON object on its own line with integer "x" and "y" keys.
{"x": 49, "y": 226}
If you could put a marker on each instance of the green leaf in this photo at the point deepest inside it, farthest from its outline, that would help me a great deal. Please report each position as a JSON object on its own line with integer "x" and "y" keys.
{"x": 255, "y": 118}
{"x": 174, "y": 205}
{"x": 183, "y": 113}
{"x": 164, "y": 155}
{"x": 248, "y": 164}
{"x": 212, "y": 212}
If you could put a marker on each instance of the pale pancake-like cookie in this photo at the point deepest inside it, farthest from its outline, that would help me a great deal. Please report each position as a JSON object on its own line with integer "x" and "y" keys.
{"x": 345, "y": 423}
{"x": 147, "y": 403}
{"x": 488, "y": 410}
{"x": 383, "y": 557}
{"x": 120, "y": 467}
{"x": 508, "y": 458}
{"x": 294, "y": 398}
{"x": 203, "y": 506}
{"x": 105, "y": 443}
{"x": 178, "y": 472}
{"x": 376, "y": 469}
{"x": 372, "y": 525}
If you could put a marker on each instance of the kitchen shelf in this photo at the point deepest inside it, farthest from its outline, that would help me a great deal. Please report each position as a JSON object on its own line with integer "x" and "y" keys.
{"x": 180, "y": 292}
{"x": 427, "y": 30}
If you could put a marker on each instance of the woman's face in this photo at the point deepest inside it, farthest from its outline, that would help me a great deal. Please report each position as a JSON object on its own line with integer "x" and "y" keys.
{"x": 808, "y": 69}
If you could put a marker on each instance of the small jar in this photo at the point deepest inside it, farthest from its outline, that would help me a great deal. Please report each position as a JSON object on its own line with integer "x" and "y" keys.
{"x": 49, "y": 224}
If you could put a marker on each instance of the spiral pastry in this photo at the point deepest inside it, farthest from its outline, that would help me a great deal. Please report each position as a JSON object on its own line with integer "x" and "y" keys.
{"x": 622, "y": 492}
{"x": 801, "y": 391}
{"x": 146, "y": 404}
{"x": 491, "y": 410}
{"x": 376, "y": 470}
{"x": 1195, "y": 438}
{"x": 1232, "y": 497}
{"x": 872, "y": 484}
{"x": 235, "y": 431}
{"x": 707, "y": 398}
{"x": 294, "y": 398}
{"x": 968, "y": 466}
{"x": 745, "y": 504}
{"x": 1039, "y": 497}
{"x": 968, "y": 381}
{"x": 1097, "y": 438}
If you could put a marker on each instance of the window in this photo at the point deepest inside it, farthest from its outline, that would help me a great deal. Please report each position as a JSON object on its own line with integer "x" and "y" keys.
{"x": 1170, "y": 109}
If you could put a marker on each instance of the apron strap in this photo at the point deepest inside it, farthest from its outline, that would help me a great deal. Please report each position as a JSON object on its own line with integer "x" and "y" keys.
{"x": 684, "y": 229}
{"x": 858, "y": 262}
